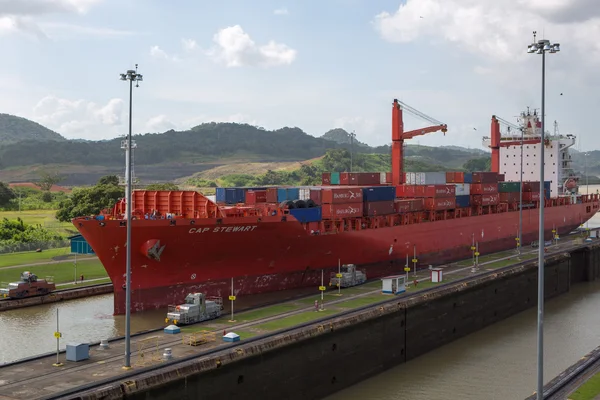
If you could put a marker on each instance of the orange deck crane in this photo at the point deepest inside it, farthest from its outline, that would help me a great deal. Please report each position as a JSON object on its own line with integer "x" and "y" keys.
{"x": 398, "y": 137}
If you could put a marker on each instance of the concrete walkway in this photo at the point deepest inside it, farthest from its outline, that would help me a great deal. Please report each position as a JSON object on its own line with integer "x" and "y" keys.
{"x": 53, "y": 262}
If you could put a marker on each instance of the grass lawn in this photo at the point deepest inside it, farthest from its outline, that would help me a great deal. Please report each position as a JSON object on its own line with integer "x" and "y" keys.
{"x": 79, "y": 285}
{"x": 264, "y": 312}
{"x": 46, "y": 218}
{"x": 295, "y": 319}
{"x": 589, "y": 390}
{"x": 361, "y": 301}
{"x": 62, "y": 273}
{"x": 30, "y": 257}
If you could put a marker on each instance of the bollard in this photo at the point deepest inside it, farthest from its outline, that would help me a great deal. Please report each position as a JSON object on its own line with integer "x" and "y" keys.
{"x": 103, "y": 344}
{"x": 167, "y": 355}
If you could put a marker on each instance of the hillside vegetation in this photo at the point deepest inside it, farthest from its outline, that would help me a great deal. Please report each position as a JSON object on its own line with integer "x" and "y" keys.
{"x": 16, "y": 129}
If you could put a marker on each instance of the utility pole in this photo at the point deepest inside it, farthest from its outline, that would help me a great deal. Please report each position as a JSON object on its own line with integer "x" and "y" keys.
{"x": 352, "y": 136}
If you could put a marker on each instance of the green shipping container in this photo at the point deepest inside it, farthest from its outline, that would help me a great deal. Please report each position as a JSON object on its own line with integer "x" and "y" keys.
{"x": 509, "y": 187}
{"x": 335, "y": 178}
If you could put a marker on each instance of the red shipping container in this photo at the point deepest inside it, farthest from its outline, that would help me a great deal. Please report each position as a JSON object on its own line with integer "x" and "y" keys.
{"x": 409, "y": 205}
{"x": 373, "y": 208}
{"x": 459, "y": 177}
{"x": 256, "y": 196}
{"x": 388, "y": 177}
{"x": 511, "y": 197}
{"x": 315, "y": 195}
{"x": 485, "y": 177}
{"x": 341, "y": 195}
{"x": 485, "y": 199}
{"x": 417, "y": 204}
{"x": 345, "y": 210}
{"x": 531, "y": 187}
{"x": 436, "y": 190}
{"x": 271, "y": 195}
{"x": 450, "y": 177}
{"x": 326, "y": 178}
{"x": 531, "y": 196}
{"x": 501, "y": 177}
{"x": 406, "y": 191}
{"x": 344, "y": 178}
{"x": 367, "y": 178}
{"x": 484, "y": 188}
{"x": 440, "y": 203}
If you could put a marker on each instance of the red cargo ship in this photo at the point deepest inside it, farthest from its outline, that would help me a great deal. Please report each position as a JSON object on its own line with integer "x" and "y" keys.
{"x": 184, "y": 242}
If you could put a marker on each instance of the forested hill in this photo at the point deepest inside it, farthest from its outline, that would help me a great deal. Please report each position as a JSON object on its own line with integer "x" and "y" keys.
{"x": 203, "y": 143}
{"x": 15, "y": 129}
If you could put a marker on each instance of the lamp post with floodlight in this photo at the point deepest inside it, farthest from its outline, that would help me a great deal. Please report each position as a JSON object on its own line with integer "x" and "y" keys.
{"x": 541, "y": 47}
{"x": 131, "y": 76}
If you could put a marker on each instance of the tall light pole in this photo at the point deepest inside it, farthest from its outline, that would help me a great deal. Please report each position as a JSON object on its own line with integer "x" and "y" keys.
{"x": 352, "y": 136}
{"x": 587, "y": 188}
{"x": 521, "y": 194}
{"x": 541, "y": 47}
{"x": 131, "y": 76}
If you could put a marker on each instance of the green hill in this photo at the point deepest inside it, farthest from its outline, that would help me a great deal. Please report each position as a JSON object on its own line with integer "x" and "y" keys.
{"x": 15, "y": 129}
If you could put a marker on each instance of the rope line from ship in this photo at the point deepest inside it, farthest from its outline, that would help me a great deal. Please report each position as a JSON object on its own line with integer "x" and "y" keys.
{"x": 223, "y": 346}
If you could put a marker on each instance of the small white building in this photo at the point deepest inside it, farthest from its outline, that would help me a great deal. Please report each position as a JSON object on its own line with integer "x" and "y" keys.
{"x": 395, "y": 284}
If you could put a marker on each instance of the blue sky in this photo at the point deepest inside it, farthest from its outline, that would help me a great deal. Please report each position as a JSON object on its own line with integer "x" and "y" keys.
{"x": 312, "y": 64}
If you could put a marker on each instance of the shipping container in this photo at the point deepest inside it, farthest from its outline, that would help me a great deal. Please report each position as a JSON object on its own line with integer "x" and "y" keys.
{"x": 272, "y": 195}
{"x": 256, "y": 196}
{"x": 379, "y": 193}
{"x": 450, "y": 177}
{"x": 388, "y": 177}
{"x": 230, "y": 196}
{"x": 440, "y": 203}
{"x": 315, "y": 195}
{"x": 484, "y": 177}
{"x": 344, "y": 178}
{"x": 373, "y": 208}
{"x": 342, "y": 210}
{"x": 509, "y": 197}
{"x": 463, "y": 201}
{"x": 305, "y": 215}
{"x": 341, "y": 195}
{"x": 366, "y": 178}
{"x": 436, "y": 191}
{"x": 531, "y": 186}
{"x": 484, "y": 188}
{"x": 508, "y": 187}
{"x": 485, "y": 199}
{"x": 408, "y": 205}
{"x": 501, "y": 177}
{"x": 326, "y": 178}
{"x": 468, "y": 177}
{"x": 531, "y": 196}
{"x": 459, "y": 177}
{"x": 287, "y": 194}
{"x": 303, "y": 193}
{"x": 462, "y": 189}
{"x": 433, "y": 178}
{"x": 406, "y": 191}
{"x": 220, "y": 195}
{"x": 335, "y": 178}
{"x": 383, "y": 178}
{"x": 409, "y": 178}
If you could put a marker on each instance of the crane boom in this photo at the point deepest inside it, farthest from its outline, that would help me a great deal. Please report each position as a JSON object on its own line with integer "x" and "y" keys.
{"x": 398, "y": 136}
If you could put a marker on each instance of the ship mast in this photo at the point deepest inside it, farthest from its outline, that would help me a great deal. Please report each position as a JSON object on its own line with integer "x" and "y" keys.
{"x": 124, "y": 146}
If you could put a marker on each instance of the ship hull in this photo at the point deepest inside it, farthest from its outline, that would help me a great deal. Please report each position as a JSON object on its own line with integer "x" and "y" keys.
{"x": 171, "y": 259}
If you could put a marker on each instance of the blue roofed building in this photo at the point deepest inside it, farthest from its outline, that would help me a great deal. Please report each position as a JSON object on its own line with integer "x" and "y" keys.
{"x": 80, "y": 246}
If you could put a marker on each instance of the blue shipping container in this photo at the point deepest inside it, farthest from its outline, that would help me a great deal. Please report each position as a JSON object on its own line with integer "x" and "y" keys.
{"x": 220, "y": 195}
{"x": 286, "y": 194}
{"x": 463, "y": 201}
{"x": 240, "y": 195}
{"x": 335, "y": 178}
{"x": 307, "y": 214}
{"x": 379, "y": 193}
{"x": 468, "y": 177}
{"x": 230, "y": 196}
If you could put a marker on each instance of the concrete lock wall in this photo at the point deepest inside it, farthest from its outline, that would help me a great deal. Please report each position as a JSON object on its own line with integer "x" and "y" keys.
{"x": 315, "y": 361}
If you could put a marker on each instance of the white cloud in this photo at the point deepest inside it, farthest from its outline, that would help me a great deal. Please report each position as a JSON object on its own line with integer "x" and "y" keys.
{"x": 157, "y": 52}
{"x": 235, "y": 48}
{"x": 366, "y": 129}
{"x": 159, "y": 123}
{"x": 69, "y": 29}
{"x": 281, "y": 11}
{"x": 189, "y": 44}
{"x": 499, "y": 30}
{"x": 79, "y": 118}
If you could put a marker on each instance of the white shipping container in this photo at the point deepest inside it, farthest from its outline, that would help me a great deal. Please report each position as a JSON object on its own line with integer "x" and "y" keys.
{"x": 382, "y": 176}
{"x": 304, "y": 194}
{"x": 434, "y": 178}
{"x": 463, "y": 189}
{"x": 419, "y": 178}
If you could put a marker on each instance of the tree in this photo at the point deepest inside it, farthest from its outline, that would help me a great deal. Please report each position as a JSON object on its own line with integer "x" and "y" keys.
{"x": 478, "y": 164}
{"x": 109, "y": 180}
{"x": 89, "y": 201}
{"x": 162, "y": 186}
{"x": 6, "y": 194}
{"x": 48, "y": 179}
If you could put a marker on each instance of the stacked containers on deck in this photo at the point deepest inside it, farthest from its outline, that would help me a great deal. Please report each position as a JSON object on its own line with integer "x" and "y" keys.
{"x": 335, "y": 178}
{"x": 342, "y": 202}
{"x": 484, "y": 189}
{"x": 256, "y": 196}
{"x": 531, "y": 191}
{"x": 220, "y": 195}
{"x": 378, "y": 200}
{"x": 304, "y": 215}
{"x": 310, "y": 193}
{"x": 408, "y": 205}
{"x": 272, "y": 195}
{"x": 287, "y": 194}
{"x": 326, "y": 178}
{"x": 438, "y": 197}
{"x": 509, "y": 192}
